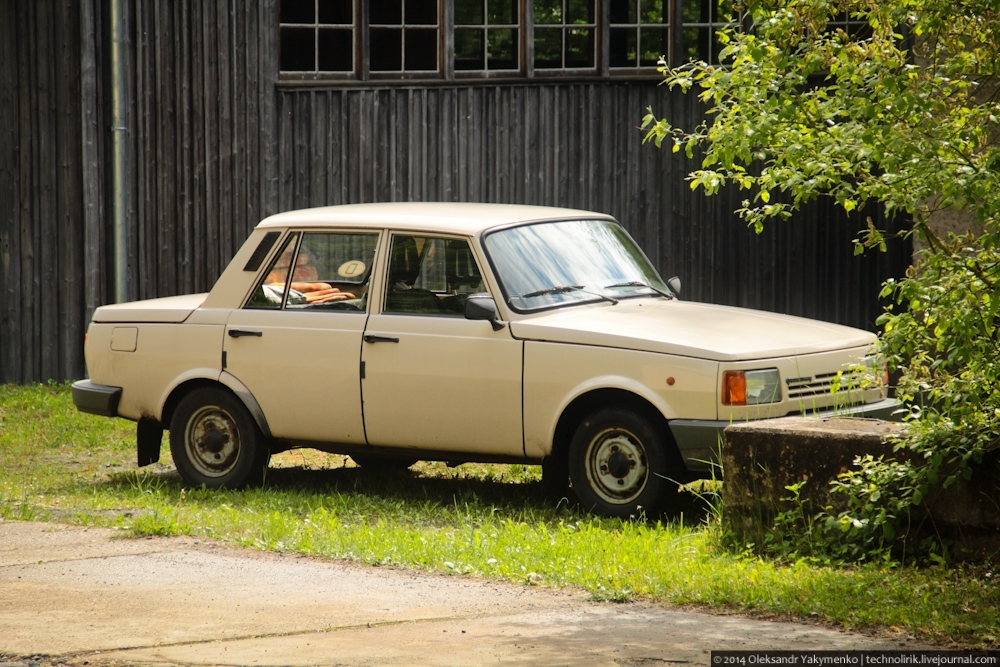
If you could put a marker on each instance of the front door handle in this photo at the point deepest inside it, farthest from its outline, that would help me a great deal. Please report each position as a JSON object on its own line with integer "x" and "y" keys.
{"x": 380, "y": 339}
{"x": 239, "y": 333}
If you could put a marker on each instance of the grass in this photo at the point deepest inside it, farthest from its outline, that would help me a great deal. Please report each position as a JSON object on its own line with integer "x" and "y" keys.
{"x": 473, "y": 520}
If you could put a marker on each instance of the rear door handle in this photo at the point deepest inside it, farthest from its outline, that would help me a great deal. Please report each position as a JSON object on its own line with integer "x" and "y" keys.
{"x": 239, "y": 333}
{"x": 380, "y": 339}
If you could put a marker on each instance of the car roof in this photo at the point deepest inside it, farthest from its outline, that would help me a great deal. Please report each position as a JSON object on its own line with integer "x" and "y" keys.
{"x": 455, "y": 218}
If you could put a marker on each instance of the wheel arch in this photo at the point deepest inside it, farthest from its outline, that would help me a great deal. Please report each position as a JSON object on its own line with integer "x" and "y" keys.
{"x": 227, "y": 382}
{"x": 610, "y": 397}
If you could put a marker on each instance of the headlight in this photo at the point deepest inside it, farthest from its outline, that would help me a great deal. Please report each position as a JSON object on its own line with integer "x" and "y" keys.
{"x": 751, "y": 387}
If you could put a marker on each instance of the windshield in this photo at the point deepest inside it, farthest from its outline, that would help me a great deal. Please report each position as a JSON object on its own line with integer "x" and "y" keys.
{"x": 553, "y": 263}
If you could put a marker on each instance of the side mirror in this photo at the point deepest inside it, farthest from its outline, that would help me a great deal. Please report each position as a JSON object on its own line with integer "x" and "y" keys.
{"x": 483, "y": 307}
{"x": 675, "y": 285}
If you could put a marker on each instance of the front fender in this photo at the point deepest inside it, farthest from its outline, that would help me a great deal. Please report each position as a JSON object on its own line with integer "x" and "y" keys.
{"x": 556, "y": 374}
{"x": 617, "y": 382}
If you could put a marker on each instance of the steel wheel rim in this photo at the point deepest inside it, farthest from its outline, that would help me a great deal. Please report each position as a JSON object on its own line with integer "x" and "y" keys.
{"x": 617, "y": 466}
{"x": 212, "y": 441}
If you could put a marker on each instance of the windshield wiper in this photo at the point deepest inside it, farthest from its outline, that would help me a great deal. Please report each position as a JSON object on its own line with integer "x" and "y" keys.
{"x": 551, "y": 290}
{"x": 566, "y": 288}
{"x": 639, "y": 283}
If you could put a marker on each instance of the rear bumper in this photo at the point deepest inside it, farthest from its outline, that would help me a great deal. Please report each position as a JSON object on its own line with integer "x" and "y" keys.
{"x": 699, "y": 440}
{"x": 97, "y": 399}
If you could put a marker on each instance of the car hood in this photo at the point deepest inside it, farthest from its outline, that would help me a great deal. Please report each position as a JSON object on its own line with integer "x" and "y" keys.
{"x": 686, "y": 328}
{"x": 171, "y": 309}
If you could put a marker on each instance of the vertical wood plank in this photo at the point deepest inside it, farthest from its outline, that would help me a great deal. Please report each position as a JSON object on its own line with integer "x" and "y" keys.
{"x": 11, "y": 128}
{"x": 91, "y": 164}
{"x": 69, "y": 270}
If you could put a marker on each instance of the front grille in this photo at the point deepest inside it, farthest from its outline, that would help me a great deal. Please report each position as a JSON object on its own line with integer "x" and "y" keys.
{"x": 810, "y": 386}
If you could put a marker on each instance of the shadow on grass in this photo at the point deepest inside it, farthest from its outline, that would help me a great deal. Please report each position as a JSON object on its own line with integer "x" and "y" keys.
{"x": 363, "y": 486}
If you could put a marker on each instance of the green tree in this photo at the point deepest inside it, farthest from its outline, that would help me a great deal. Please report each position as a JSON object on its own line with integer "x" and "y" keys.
{"x": 903, "y": 109}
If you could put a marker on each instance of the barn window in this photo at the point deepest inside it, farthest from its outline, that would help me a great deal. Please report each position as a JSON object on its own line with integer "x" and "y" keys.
{"x": 487, "y": 35}
{"x": 702, "y": 21}
{"x": 403, "y": 35}
{"x": 565, "y": 34}
{"x": 442, "y": 39}
{"x": 317, "y": 35}
{"x": 640, "y": 32}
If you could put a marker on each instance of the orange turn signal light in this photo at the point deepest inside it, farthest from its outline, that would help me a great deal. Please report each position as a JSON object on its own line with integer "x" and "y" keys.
{"x": 734, "y": 388}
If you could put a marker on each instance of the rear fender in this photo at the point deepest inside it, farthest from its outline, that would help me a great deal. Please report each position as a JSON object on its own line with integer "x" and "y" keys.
{"x": 244, "y": 394}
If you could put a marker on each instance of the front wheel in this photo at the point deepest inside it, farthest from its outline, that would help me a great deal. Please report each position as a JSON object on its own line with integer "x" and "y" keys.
{"x": 618, "y": 464}
{"x": 215, "y": 442}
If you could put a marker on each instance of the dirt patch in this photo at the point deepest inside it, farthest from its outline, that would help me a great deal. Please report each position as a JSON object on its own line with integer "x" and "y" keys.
{"x": 77, "y": 596}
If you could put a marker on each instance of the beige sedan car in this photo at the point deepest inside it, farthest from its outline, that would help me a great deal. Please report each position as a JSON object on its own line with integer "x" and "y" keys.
{"x": 460, "y": 332}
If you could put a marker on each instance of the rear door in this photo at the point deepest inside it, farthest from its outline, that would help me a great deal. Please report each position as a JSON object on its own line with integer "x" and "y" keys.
{"x": 296, "y": 343}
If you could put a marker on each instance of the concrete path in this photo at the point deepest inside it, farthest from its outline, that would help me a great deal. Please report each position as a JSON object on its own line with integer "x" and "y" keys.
{"x": 80, "y": 596}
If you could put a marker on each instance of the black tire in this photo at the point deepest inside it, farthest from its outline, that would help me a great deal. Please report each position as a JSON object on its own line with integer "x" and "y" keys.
{"x": 215, "y": 442}
{"x": 619, "y": 465}
{"x": 382, "y": 462}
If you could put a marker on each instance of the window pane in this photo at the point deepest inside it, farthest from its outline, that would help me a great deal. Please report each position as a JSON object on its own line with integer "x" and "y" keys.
{"x": 695, "y": 44}
{"x": 386, "y": 49}
{"x": 502, "y": 12}
{"x": 386, "y": 12}
{"x": 548, "y": 11}
{"x": 336, "y": 11}
{"x": 623, "y": 11}
{"x": 332, "y": 271}
{"x": 421, "y": 12}
{"x": 580, "y": 47}
{"x": 653, "y": 43}
{"x": 469, "y": 49}
{"x": 548, "y": 47}
{"x": 468, "y": 12}
{"x": 580, "y": 11}
{"x": 622, "y": 47}
{"x": 421, "y": 50}
{"x": 297, "y": 11}
{"x": 503, "y": 49}
{"x": 271, "y": 288}
{"x": 335, "y": 50}
{"x": 655, "y": 11}
{"x": 298, "y": 50}
{"x": 430, "y": 276}
{"x": 696, "y": 11}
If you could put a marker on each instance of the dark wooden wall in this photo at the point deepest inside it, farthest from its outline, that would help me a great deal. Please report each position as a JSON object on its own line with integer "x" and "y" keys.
{"x": 43, "y": 282}
{"x": 203, "y": 95}
{"x": 217, "y": 143}
{"x": 576, "y": 145}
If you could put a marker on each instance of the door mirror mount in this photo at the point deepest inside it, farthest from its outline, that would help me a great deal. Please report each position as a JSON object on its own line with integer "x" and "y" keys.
{"x": 483, "y": 307}
{"x": 675, "y": 285}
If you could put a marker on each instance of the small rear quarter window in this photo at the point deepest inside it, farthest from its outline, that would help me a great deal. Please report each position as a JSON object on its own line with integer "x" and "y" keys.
{"x": 260, "y": 252}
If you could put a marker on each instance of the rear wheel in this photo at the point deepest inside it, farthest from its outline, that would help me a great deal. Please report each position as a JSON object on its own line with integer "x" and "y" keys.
{"x": 618, "y": 464}
{"x": 215, "y": 442}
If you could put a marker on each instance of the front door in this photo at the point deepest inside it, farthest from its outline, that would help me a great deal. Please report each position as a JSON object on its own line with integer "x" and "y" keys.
{"x": 433, "y": 379}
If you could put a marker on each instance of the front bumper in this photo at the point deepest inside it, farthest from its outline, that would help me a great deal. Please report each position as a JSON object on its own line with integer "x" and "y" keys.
{"x": 699, "y": 440}
{"x": 97, "y": 399}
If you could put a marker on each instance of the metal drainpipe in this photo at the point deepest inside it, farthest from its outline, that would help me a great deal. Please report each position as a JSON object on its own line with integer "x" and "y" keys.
{"x": 119, "y": 151}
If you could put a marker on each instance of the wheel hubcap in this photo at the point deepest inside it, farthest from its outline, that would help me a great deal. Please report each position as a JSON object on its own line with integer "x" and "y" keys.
{"x": 212, "y": 441}
{"x": 616, "y": 465}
